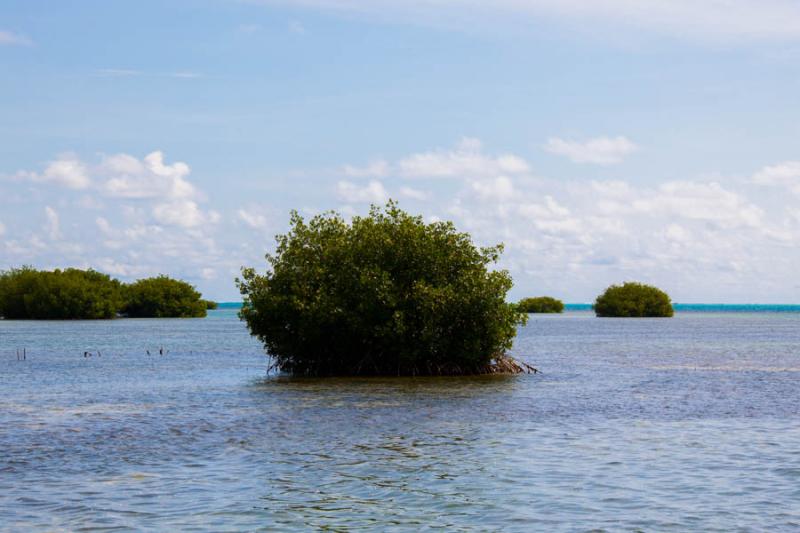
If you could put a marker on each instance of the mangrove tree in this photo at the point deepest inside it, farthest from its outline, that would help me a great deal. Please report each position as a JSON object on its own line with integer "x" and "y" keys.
{"x": 633, "y": 299}
{"x": 383, "y": 294}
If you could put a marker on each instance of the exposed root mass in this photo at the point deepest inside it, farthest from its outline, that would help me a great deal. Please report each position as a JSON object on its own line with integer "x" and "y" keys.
{"x": 500, "y": 364}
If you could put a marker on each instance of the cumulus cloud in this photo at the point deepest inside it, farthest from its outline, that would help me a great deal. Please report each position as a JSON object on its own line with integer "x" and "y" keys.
{"x": 67, "y": 170}
{"x": 181, "y": 212}
{"x": 499, "y": 188}
{"x": 786, "y": 174}
{"x": 466, "y": 160}
{"x": 598, "y": 151}
{"x": 252, "y": 218}
{"x": 701, "y": 201}
{"x": 413, "y": 194}
{"x": 129, "y": 177}
{"x": 601, "y": 232}
{"x": 372, "y": 192}
{"x": 9, "y": 38}
{"x": 569, "y": 237}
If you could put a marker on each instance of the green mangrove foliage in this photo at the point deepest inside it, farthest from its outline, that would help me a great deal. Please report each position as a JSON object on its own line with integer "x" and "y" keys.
{"x": 27, "y": 293}
{"x": 162, "y": 297}
{"x": 633, "y": 300}
{"x": 540, "y": 304}
{"x": 385, "y": 294}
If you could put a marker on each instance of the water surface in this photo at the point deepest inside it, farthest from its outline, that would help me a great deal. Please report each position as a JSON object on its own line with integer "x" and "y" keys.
{"x": 658, "y": 425}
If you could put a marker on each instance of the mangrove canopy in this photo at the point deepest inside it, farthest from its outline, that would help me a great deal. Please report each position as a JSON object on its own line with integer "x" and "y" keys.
{"x": 28, "y": 293}
{"x": 384, "y": 294}
{"x": 633, "y": 299}
{"x": 540, "y": 304}
{"x": 162, "y": 297}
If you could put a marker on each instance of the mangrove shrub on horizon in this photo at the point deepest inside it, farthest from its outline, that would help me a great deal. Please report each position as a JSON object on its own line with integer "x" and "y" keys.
{"x": 541, "y": 304}
{"x": 632, "y": 299}
{"x": 27, "y": 293}
{"x": 163, "y": 297}
{"x": 71, "y": 293}
{"x": 385, "y": 294}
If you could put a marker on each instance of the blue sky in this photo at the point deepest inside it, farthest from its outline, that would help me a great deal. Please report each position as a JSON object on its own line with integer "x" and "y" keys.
{"x": 601, "y": 142}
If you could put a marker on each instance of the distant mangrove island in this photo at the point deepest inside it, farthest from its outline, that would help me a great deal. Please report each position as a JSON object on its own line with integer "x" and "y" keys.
{"x": 540, "y": 304}
{"x": 632, "y": 299}
{"x": 72, "y": 293}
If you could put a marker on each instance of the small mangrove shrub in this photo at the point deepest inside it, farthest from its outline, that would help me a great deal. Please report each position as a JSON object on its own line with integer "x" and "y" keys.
{"x": 384, "y": 294}
{"x": 633, "y": 299}
{"x": 161, "y": 297}
{"x": 540, "y": 304}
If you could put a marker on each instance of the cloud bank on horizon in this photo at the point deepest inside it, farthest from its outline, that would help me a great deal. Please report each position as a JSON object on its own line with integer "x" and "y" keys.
{"x": 134, "y": 216}
{"x": 661, "y": 148}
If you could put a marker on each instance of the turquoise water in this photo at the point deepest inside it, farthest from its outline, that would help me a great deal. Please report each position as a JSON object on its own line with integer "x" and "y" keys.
{"x": 696, "y": 308}
{"x": 704, "y": 308}
{"x": 689, "y": 423}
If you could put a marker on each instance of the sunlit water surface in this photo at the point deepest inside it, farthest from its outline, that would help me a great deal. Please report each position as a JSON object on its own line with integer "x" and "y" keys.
{"x": 691, "y": 423}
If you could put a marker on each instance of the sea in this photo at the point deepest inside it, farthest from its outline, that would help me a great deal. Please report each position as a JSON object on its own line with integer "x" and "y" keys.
{"x": 684, "y": 424}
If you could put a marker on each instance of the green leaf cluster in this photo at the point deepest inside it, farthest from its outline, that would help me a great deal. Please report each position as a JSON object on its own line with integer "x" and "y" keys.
{"x": 633, "y": 299}
{"x": 58, "y": 294}
{"x": 540, "y": 304}
{"x": 27, "y": 293}
{"x": 162, "y": 297}
{"x": 385, "y": 294}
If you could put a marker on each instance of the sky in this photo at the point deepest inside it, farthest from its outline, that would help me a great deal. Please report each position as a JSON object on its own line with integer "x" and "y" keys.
{"x": 601, "y": 142}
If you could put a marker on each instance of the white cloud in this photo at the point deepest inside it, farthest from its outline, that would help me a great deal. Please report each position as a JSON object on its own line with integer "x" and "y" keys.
{"x": 52, "y": 224}
{"x": 413, "y": 194}
{"x": 598, "y": 151}
{"x": 252, "y": 218}
{"x": 9, "y": 38}
{"x": 786, "y": 174}
{"x": 464, "y": 161}
{"x": 701, "y": 201}
{"x": 678, "y": 234}
{"x": 708, "y": 20}
{"x": 375, "y": 169}
{"x": 183, "y": 213}
{"x": 373, "y": 192}
{"x": 566, "y": 237}
{"x": 128, "y": 177}
{"x": 2, "y": 229}
{"x": 67, "y": 170}
{"x": 116, "y": 268}
{"x": 499, "y": 188}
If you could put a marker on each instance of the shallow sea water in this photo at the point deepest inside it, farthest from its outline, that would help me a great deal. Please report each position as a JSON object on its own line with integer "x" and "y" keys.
{"x": 691, "y": 423}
